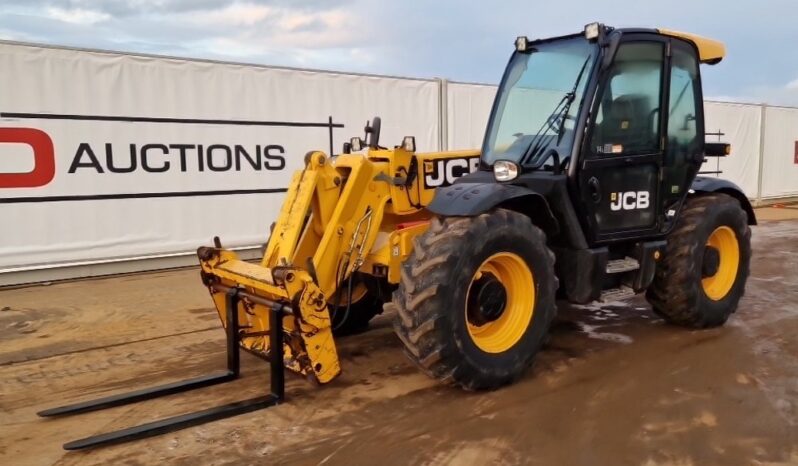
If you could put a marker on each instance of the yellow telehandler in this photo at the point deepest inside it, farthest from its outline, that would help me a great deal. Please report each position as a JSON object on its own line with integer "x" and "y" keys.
{"x": 336, "y": 250}
{"x": 587, "y": 188}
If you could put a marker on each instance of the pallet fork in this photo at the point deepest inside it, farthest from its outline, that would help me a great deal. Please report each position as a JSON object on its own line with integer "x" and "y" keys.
{"x": 183, "y": 421}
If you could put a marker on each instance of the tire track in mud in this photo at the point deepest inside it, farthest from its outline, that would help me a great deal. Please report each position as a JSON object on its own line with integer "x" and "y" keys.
{"x": 103, "y": 347}
{"x": 771, "y": 320}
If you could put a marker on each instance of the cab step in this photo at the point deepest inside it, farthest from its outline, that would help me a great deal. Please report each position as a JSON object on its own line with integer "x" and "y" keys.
{"x": 627, "y": 264}
{"x": 617, "y": 294}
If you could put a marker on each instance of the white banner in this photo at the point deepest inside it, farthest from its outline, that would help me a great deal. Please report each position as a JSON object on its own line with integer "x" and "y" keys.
{"x": 105, "y": 156}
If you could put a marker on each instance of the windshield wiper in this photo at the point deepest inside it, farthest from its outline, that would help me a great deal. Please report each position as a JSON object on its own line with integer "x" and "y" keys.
{"x": 534, "y": 145}
{"x": 560, "y": 113}
{"x": 571, "y": 98}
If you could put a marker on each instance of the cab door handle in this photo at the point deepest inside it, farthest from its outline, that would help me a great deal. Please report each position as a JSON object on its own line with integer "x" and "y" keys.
{"x": 595, "y": 189}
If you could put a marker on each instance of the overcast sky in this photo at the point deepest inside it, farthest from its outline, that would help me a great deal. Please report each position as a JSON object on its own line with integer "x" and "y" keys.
{"x": 460, "y": 40}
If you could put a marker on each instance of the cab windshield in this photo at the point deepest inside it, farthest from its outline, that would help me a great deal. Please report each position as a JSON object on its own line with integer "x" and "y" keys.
{"x": 535, "y": 109}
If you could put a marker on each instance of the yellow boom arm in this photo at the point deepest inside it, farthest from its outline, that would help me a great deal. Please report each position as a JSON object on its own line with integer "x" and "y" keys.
{"x": 353, "y": 213}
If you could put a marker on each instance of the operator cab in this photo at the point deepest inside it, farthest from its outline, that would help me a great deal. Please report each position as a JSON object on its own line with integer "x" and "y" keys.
{"x": 616, "y": 114}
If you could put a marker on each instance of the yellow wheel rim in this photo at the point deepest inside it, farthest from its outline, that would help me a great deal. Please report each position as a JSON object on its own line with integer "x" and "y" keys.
{"x": 717, "y": 286}
{"x": 502, "y": 333}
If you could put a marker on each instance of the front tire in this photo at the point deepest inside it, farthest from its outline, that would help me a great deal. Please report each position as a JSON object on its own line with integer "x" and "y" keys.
{"x": 701, "y": 277}
{"x": 476, "y": 298}
{"x": 364, "y": 307}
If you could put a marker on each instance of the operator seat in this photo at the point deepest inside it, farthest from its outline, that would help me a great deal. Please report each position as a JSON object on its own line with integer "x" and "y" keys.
{"x": 628, "y": 123}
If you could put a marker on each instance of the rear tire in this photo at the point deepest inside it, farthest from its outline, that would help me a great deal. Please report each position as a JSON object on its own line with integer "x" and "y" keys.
{"x": 451, "y": 314}
{"x": 701, "y": 277}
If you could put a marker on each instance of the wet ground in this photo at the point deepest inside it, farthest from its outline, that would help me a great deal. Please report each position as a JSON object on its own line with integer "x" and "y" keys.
{"x": 614, "y": 386}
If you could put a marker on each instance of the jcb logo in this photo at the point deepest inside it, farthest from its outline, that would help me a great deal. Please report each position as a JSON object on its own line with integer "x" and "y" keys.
{"x": 629, "y": 200}
{"x": 439, "y": 173}
{"x": 43, "y": 157}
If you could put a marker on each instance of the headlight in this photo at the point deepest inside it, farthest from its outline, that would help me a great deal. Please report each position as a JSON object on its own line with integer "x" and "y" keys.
{"x": 504, "y": 170}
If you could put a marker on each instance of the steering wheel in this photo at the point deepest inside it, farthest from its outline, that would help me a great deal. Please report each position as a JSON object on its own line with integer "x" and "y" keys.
{"x": 557, "y": 165}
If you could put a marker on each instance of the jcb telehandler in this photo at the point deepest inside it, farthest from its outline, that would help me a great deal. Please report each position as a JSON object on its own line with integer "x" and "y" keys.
{"x": 586, "y": 188}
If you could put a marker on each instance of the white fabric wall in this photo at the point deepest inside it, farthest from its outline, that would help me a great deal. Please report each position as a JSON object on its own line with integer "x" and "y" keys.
{"x": 780, "y": 169}
{"x": 468, "y": 108}
{"x": 47, "y": 80}
{"x": 741, "y": 124}
{"x": 61, "y": 81}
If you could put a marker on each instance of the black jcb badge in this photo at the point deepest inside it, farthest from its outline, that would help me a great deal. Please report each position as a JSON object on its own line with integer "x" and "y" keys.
{"x": 444, "y": 172}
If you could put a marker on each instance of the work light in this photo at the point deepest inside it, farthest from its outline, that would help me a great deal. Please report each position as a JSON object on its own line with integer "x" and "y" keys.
{"x": 356, "y": 143}
{"x": 522, "y": 44}
{"x": 409, "y": 143}
{"x": 592, "y": 31}
{"x": 504, "y": 170}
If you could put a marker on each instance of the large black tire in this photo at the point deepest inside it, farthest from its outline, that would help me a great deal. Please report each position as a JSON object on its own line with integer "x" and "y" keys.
{"x": 679, "y": 293}
{"x": 431, "y": 301}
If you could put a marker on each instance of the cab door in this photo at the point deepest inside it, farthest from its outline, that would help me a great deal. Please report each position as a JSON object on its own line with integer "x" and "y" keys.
{"x": 622, "y": 155}
{"x": 684, "y": 141}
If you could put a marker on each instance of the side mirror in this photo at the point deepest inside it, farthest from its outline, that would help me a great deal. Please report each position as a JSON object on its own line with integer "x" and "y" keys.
{"x": 373, "y": 132}
{"x": 356, "y": 144}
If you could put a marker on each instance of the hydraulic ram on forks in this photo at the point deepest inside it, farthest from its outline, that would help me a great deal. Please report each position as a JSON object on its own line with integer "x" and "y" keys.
{"x": 171, "y": 424}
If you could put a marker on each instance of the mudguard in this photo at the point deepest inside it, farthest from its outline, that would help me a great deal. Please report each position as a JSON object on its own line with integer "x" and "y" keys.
{"x": 470, "y": 199}
{"x": 704, "y": 184}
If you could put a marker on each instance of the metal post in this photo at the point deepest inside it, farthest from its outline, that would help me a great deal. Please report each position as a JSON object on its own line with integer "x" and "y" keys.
{"x": 443, "y": 115}
{"x": 758, "y": 200}
{"x": 330, "y": 127}
{"x": 233, "y": 354}
{"x": 276, "y": 352}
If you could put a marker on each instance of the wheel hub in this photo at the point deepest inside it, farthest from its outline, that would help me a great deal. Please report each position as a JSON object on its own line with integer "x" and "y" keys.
{"x": 487, "y": 300}
{"x": 711, "y": 262}
{"x": 721, "y": 263}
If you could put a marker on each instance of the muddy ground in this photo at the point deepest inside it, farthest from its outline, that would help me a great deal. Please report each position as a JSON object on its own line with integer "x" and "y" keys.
{"x": 614, "y": 386}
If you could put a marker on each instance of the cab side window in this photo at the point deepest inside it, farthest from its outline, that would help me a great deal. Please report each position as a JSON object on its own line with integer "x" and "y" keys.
{"x": 685, "y": 133}
{"x": 683, "y": 139}
{"x": 628, "y": 119}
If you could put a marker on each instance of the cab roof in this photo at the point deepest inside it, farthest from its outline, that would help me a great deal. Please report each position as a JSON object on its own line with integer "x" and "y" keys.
{"x": 710, "y": 51}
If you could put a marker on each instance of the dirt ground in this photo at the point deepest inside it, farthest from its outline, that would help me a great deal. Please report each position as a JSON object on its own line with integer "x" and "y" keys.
{"x": 614, "y": 386}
